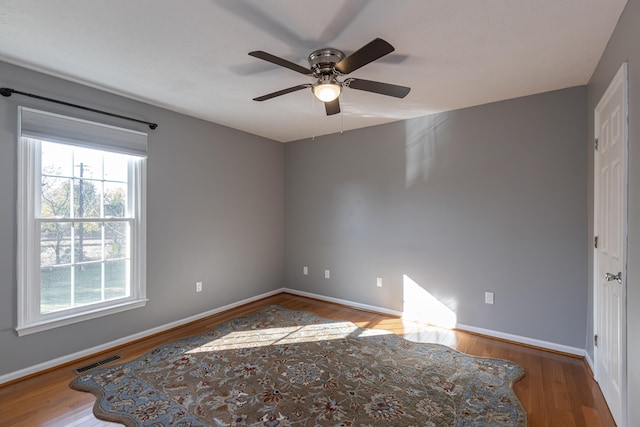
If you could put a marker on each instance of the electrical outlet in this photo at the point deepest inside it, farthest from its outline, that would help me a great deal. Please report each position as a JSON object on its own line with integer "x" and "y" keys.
{"x": 198, "y": 286}
{"x": 379, "y": 282}
{"x": 488, "y": 297}
{"x": 305, "y": 270}
{"x": 327, "y": 274}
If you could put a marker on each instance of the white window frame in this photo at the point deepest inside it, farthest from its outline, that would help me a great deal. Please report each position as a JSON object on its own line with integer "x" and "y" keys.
{"x": 35, "y": 125}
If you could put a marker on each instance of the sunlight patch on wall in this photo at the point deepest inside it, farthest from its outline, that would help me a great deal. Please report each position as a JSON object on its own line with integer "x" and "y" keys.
{"x": 421, "y": 306}
{"x": 421, "y": 147}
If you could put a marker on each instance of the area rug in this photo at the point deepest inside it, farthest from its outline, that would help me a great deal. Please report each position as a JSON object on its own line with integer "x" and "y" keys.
{"x": 278, "y": 367}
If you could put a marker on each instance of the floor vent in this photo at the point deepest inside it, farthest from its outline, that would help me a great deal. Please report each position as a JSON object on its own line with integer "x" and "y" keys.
{"x": 98, "y": 363}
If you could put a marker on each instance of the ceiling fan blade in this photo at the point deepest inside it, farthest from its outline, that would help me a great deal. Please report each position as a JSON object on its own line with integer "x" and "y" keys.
{"x": 379, "y": 87}
{"x": 332, "y": 107}
{"x": 281, "y": 62}
{"x": 281, "y": 92}
{"x": 368, "y": 53}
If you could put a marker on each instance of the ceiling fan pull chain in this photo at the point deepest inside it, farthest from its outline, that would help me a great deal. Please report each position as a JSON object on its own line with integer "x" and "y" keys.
{"x": 313, "y": 117}
{"x": 341, "y": 114}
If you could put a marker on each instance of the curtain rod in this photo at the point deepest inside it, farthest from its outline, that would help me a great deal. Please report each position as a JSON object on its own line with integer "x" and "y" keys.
{"x": 5, "y": 91}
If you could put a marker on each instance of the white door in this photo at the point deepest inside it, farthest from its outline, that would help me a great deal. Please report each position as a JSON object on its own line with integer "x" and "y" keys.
{"x": 610, "y": 163}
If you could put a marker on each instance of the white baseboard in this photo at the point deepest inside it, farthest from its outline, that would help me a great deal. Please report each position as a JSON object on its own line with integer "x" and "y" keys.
{"x": 344, "y": 302}
{"x": 592, "y": 366}
{"x": 112, "y": 344}
{"x": 524, "y": 340}
{"x": 495, "y": 334}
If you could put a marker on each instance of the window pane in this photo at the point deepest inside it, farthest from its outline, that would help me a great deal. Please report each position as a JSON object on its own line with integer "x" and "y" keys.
{"x": 116, "y": 167}
{"x": 55, "y": 243}
{"x": 87, "y": 163}
{"x": 116, "y": 234}
{"x": 57, "y": 159}
{"x": 55, "y": 197}
{"x": 86, "y": 198}
{"x": 115, "y": 199}
{"x": 115, "y": 277}
{"x": 88, "y": 283}
{"x": 55, "y": 288}
{"x": 88, "y": 241}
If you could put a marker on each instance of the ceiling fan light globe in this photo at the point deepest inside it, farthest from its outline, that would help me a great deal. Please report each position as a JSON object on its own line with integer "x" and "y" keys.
{"x": 327, "y": 92}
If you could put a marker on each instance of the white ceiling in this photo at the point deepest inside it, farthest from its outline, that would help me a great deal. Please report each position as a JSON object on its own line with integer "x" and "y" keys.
{"x": 191, "y": 56}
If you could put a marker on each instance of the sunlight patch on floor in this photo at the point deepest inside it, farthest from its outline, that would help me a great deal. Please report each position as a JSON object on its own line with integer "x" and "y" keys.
{"x": 263, "y": 336}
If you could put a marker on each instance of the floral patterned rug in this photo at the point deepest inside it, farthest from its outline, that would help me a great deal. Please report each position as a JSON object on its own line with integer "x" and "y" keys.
{"x": 278, "y": 367}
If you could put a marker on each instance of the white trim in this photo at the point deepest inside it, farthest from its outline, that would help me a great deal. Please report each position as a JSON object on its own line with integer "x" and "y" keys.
{"x": 32, "y": 328}
{"x": 30, "y": 319}
{"x": 495, "y": 334}
{"x": 25, "y": 234}
{"x": 589, "y": 362}
{"x": 345, "y": 302}
{"x": 140, "y": 335}
{"x": 547, "y": 345}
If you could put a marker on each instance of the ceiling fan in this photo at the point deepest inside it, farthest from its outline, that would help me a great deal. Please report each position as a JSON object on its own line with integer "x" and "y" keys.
{"x": 327, "y": 65}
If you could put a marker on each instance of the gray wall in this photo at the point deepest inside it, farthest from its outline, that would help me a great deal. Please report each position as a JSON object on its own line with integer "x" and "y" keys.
{"x": 622, "y": 47}
{"x": 489, "y": 198}
{"x": 215, "y": 213}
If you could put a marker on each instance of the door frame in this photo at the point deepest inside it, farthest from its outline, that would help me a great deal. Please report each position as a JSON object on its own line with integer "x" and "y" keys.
{"x": 621, "y": 78}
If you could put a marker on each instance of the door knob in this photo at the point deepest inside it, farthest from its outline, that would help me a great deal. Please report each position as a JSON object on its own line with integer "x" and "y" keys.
{"x": 611, "y": 276}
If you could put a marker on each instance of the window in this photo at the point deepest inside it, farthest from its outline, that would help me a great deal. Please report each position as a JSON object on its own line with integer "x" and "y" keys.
{"x": 81, "y": 220}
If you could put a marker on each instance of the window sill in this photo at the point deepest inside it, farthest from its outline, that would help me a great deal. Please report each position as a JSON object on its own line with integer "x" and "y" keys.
{"x": 79, "y": 317}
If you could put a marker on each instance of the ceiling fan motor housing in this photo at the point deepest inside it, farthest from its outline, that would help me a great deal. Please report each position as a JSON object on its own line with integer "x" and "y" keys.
{"x": 323, "y": 61}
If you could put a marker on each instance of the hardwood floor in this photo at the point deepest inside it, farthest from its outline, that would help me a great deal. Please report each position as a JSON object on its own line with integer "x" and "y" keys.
{"x": 557, "y": 390}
